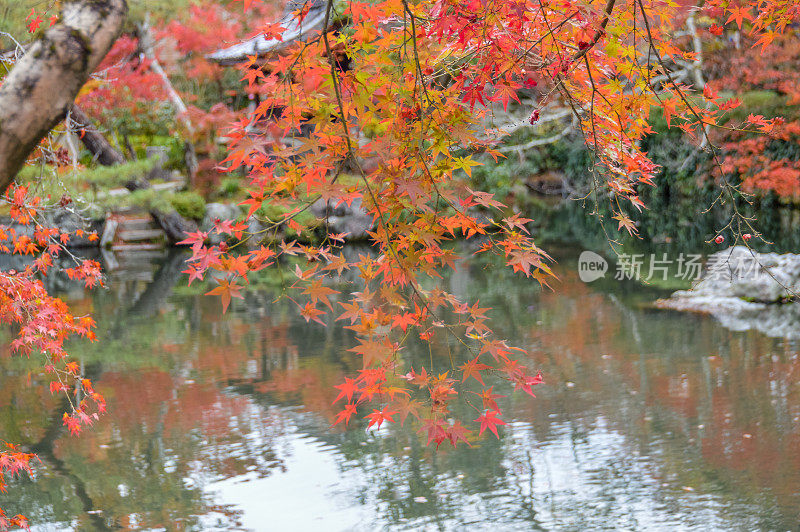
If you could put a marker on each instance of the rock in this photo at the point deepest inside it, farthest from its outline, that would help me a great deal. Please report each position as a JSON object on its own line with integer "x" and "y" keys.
{"x": 255, "y": 228}
{"x": 69, "y": 222}
{"x": 175, "y": 226}
{"x": 109, "y": 231}
{"x": 66, "y": 222}
{"x": 14, "y": 262}
{"x": 740, "y": 273}
{"x": 352, "y": 220}
{"x": 218, "y": 211}
{"x": 744, "y": 290}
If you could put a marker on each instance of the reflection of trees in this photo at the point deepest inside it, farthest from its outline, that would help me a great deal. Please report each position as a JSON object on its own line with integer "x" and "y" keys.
{"x": 195, "y": 397}
{"x": 155, "y": 295}
{"x": 679, "y": 387}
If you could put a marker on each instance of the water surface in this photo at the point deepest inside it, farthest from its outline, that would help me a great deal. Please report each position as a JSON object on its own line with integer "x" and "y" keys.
{"x": 648, "y": 420}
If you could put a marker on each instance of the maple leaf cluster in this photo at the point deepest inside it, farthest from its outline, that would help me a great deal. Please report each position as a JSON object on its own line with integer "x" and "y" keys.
{"x": 397, "y": 131}
{"x": 758, "y": 150}
{"x": 410, "y": 175}
{"x": 402, "y": 124}
{"x": 43, "y": 322}
{"x": 12, "y": 463}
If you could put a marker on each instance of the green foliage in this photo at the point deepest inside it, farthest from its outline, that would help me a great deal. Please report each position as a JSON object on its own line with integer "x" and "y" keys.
{"x": 157, "y": 119}
{"x": 497, "y": 178}
{"x": 173, "y": 143}
{"x": 89, "y": 187}
{"x": 229, "y": 187}
{"x": 117, "y": 175}
{"x": 274, "y": 213}
{"x": 762, "y": 102}
{"x": 190, "y": 205}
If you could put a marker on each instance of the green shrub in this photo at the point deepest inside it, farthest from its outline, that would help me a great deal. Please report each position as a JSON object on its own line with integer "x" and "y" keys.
{"x": 189, "y": 205}
{"x": 230, "y": 187}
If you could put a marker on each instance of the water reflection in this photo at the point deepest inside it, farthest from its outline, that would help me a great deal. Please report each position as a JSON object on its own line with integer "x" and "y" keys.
{"x": 649, "y": 419}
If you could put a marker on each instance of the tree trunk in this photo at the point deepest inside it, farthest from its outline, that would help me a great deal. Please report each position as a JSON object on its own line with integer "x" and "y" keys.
{"x": 43, "y": 84}
{"x": 147, "y": 46}
{"x": 175, "y": 226}
{"x": 103, "y": 152}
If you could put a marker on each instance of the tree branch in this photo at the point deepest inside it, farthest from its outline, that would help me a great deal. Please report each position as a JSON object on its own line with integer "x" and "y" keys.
{"x": 43, "y": 84}
{"x": 94, "y": 141}
{"x": 599, "y": 33}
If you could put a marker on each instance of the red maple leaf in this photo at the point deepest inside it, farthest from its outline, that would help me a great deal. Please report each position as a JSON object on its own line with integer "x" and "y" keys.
{"x": 473, "y": 368}
{"x": 457, "y": 432}
{"x": 489, "y": 420}
{"x": 346, "y": 414}
{"x": 377, "y": 417}
{"x": 347, "y": 389}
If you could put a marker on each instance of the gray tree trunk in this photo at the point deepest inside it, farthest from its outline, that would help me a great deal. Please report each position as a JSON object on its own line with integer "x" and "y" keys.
{"x": 43, "y": 84}
{"x": 95, "y": 142}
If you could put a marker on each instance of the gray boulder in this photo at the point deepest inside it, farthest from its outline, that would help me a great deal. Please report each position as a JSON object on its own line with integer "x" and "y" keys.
{"x": 219, "y": 211}
{"x": 69, "y": 222}
{"x": 741, "y": 273}
{"x": 352, "y": 220}
{"x": 744, "y": 290}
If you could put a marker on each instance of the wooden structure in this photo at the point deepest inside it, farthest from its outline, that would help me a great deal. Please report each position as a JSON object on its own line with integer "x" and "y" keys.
{"x": 132, "y": 231}
{"x": 296, "y": 26}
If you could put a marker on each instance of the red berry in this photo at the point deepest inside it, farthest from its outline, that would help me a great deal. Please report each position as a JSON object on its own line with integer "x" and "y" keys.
{"x": 747, "y": 236}
{"x": 720, "y": 239}
{"x": 223, "y": 247}
{"x": 534, "y": 116}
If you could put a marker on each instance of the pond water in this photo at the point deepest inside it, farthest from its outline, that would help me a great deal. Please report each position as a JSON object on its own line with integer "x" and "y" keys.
{"x": 648, "y": 419}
